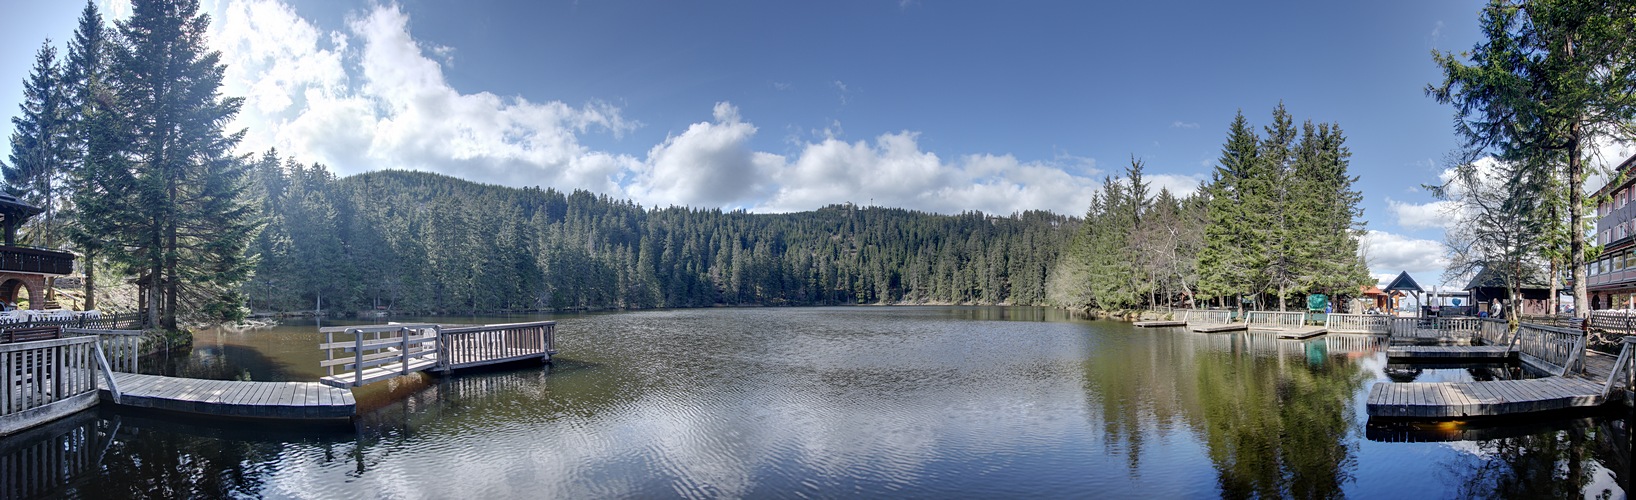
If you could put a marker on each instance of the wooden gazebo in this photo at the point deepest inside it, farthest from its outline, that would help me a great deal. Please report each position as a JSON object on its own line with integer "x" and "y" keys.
{"x": 24, "y": 267}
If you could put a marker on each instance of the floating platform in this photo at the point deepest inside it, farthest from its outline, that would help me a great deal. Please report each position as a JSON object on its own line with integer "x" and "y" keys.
{"x": 231, "y": 398}
{"x": 1159, "y": 323}
{"x": 1303, "y": 332}
{"x": 1471, "y": 399}
{"x": 1218, "y": 327}
{"x": 1446, "y": 353}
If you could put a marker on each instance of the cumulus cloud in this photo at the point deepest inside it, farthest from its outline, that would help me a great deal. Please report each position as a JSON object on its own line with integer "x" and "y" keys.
{"x": 369, "y": 96}
{"x": 1389, "y": 254}
{"x": 372, "y": 97}
{"x": 1433, "y": 215}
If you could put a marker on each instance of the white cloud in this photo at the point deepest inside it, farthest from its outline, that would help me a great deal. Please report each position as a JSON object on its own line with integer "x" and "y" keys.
{"x": 370, "y": 96}
{"x": 711, "y": 164}
{"x": 1433, "y": 215}
{"x": 1181, "y": 124}
{"x": 1388, "y": 254}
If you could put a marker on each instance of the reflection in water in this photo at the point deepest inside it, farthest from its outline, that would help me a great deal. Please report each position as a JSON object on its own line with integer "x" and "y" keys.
{"x": 873, "y": 402}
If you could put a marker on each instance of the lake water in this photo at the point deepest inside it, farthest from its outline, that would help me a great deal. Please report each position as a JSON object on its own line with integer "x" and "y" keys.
{"x": 899, "y": 402}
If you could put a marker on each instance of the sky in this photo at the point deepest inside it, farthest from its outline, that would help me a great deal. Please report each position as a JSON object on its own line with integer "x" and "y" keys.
{"x": 941, "y": 106}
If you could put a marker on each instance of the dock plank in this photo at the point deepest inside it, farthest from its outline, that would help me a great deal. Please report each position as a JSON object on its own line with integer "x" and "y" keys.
{"x": 289, "y": 400}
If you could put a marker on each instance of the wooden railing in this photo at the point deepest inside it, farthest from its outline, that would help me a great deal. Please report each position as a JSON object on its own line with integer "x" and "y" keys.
{"x": 1556, "y": 350}
{"x": 1209, "y": 317}
{"x": 45, "y": 379}
{"x": 127, "y": 321}
{"x": 1494, "y": 331}
{"x": 35, "y": 260}
{"x": 1613, "y": 321}
{"x": 1274, "y": 319}
{"x": 487, "y": 344}
{"x": 1337, "y": 343}
{"x": 122, "y": 348}
{"x": 361, "y": 350}
{"x": 1358, "y": 323}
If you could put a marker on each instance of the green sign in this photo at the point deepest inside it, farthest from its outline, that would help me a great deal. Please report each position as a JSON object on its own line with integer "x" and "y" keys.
{"x": 1317, "y": 302}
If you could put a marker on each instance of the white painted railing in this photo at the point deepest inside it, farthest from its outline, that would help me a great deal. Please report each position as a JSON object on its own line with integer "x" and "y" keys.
{"x": 123, "y": 348}
{"x": 1209, "y": 317}
{"x": 1358, "y": 323}
{"x": 363, "y": 350}
{"x": 1274, "y": 319}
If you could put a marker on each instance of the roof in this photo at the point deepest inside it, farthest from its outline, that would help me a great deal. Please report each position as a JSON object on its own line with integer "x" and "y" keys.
{"x": 1370, "y": 290}
{"x": 1494, "y": 279}
{"x": 1625, "y": 173}
{"x": 1403, "y": 282}
{"x": 10, "y": 205}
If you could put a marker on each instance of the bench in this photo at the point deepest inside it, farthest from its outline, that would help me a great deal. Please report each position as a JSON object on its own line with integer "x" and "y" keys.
{"x": 30, "y": 334}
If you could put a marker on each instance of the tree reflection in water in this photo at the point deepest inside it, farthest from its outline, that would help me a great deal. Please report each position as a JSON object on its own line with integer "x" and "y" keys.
{"x": 1275, "y": 415}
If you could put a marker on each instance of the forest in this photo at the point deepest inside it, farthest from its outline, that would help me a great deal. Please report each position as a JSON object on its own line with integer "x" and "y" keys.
{"x": 123, "y": 144}
{"x": 427, "y": 243}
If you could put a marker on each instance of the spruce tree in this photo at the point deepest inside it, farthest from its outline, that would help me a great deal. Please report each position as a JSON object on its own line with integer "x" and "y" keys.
{"x": 1225, "y": 261}
{"x": 40, "y": 143}
{"x": 185, "y": 185}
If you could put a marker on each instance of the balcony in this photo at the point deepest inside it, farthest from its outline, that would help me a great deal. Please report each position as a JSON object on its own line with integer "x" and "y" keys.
{"x": 18, "y": 259}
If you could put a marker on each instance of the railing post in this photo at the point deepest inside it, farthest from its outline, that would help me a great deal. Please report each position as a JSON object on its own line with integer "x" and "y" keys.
{"x": 102, "y": 360}
{"x": 403, "y": 351}
{"x": 358, "y": 353}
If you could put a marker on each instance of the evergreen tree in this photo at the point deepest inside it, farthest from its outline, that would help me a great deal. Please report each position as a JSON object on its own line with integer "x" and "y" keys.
{"x": 1231, "y": 242}
{"x": 1549, "y": 77}
{"x": 94, "y": 140}
{"x": 190, "y": 224}
{"x": 40, "y": 143}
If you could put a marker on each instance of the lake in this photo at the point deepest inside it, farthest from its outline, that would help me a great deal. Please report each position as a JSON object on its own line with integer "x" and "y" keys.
{"x": 900, "y": 402}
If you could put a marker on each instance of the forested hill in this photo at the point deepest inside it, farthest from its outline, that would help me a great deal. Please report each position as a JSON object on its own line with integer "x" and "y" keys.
{"x": 420, "y": 242}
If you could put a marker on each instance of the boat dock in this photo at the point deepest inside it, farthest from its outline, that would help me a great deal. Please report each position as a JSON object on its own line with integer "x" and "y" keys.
{"x": 1160, "y": 323}
{"x": 63, "y": 371}
{"x": 1573, "y": 377}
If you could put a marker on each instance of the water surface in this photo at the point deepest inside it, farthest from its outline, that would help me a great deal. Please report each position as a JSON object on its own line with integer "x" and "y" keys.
{"x": 933, "y": 402}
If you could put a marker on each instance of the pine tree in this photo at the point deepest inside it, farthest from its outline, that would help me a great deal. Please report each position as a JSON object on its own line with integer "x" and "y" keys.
{"x": 94, "y": 139}
{"x": 40, "y": 143}
{"x": 1549, "y": 77}
{"x": 1226, "y": 262}
{"x": 191, "y": 225}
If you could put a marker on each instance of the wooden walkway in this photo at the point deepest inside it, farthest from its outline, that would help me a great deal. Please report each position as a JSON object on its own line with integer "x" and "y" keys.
{"x": 1304, "y": 332}
{"x": 230, "y": 398}
{"x": 1448, "y": 352}
{"x": 1470, "y": 399}
{"x": 1159, "y": 323}
{"x": 1218, "y": 327}
{"x": 379, "y": 352}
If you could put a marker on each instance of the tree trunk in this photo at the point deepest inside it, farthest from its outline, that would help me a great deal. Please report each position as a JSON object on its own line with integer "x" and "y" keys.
{"x": 1576, "y": 216}
{"x": 90, "y": 280}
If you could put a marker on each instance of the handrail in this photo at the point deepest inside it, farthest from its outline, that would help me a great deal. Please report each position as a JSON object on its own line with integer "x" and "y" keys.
{"x": 1276, "y": 318}
{"x": 1619, "y": 365}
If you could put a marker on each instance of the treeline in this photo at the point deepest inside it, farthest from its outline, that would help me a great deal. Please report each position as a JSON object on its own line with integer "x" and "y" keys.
{"x": 121, "y": 143}
{"x": 1279, "y": 219}
{"x": 427, "y": 243}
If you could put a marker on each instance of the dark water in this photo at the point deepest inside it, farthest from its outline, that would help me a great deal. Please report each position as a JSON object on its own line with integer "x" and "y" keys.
{"x": 936, "y": 402}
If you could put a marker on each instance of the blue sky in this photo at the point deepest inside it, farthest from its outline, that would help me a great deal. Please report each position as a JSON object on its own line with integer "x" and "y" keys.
{"x": 774, "y": 106}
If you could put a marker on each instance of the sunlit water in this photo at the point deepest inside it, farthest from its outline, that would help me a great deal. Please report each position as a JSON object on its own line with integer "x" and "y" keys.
{"x": 895, "y": 402}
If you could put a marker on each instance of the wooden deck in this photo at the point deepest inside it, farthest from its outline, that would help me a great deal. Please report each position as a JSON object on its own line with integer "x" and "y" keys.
{"x": 1470, "y": 399}
{"x": 1304, "y": 332}
{"x": 1218, "y": 327}
{"x": 229, "y": 398}
{"x": 379, "y": 373}
{"x": 1159, "y": 323}
{"x": 368, "y": 354}
{"x": 1448, "y": 352}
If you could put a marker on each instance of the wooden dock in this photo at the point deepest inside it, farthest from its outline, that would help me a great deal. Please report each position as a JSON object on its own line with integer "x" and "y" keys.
{"x": 1304, "y": 332}
{"x": 1444, "y": 353}
{"x": 1470, "y": 399}
{"x": 1159, "y": 323}
{"x": 1218, "y": 327}
{"x": 369, "y": 354}
{"x": 231, "y": 398}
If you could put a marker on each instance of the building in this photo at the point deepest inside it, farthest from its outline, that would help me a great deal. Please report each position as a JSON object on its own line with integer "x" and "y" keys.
{"x": 1488, "y": 291}
{"x": 23, "y": 269}
{"x": 1612, "y": 278}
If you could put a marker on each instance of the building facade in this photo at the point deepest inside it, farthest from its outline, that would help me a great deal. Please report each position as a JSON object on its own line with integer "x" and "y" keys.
{"x": 24, "y": 269}
{"x": 1612, "y": 277}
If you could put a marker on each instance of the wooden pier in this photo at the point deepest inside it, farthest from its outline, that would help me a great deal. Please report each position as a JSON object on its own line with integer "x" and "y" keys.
{"x": 1159, "y": 323}
{"x": 1560, "y": 353}
{"x": 368, "y": 354}
{"x": 1302, "y": 332}
{"x": 232, "y": 398}
{"x": 1213, "y": 321}
{"x": 1444, "y": 353}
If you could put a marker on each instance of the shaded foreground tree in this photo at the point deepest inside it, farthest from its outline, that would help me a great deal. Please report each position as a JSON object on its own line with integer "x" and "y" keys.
{"x": 1550, "y": 78}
